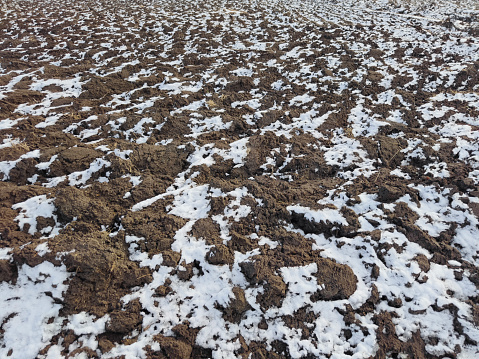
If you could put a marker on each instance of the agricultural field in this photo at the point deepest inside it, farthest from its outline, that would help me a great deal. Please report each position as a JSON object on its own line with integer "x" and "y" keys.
{"x": 239, "y": 179}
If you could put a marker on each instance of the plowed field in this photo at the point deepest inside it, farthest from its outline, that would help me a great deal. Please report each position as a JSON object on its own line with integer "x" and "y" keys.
{"x": 239, "y": 179}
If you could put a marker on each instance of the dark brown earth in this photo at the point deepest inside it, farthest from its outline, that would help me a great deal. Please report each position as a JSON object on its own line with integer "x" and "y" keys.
{"x": 95, "y": 217}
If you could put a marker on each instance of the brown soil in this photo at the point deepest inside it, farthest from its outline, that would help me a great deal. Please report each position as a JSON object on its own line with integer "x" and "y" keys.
{"x": 281, "y": 168}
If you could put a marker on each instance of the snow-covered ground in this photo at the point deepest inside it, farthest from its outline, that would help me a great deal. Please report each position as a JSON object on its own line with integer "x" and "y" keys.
{"x": 239, "y": 179}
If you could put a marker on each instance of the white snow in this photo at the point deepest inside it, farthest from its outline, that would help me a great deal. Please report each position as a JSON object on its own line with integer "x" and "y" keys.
{"x": 28, "y": 305}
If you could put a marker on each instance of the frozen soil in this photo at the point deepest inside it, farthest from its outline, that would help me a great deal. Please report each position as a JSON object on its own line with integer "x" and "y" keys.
{"x": 251, "y": 179}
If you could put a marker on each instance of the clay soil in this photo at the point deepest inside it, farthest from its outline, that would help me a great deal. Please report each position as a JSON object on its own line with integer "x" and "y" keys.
{"x": 241, "y": 180}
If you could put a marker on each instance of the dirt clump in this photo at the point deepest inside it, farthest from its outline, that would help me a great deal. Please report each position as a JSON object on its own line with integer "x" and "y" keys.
{"x": 389, "y": 342}
{"x": 220, "y": 255}
{"x": 405, "y": 219}
{"x": 23, "y": 170}
{"x": 157, "y": 228}
{"x": 73, "y": 159}
{"x": 13, "y": 153}
{"x": 8, "y": 271}
{"x": 174, "y": 348}
{"x": 389, "y": 151}
{"x": 388, "y": 194}
{"x": 95, "y": 253}
{"x": 233, "y": 312}
{"x": 327, "y": 227}
{"x": 101, "y": 87}
{"x": 74, "y": 204}
{"x": 10, "y": 194}
{"x": 160, "y": 160}
{"x": 207, "y": 229}
{"x": 126, "y": 320}
{"x": 338, "y": 281}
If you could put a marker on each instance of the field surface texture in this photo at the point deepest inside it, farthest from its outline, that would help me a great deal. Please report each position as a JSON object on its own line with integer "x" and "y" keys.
{"x": 250, "y": 179}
